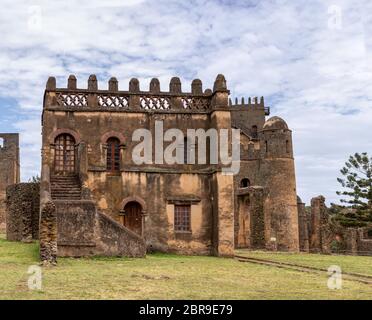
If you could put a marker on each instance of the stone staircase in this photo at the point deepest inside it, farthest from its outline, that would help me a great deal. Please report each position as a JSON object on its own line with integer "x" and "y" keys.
{"x": 65, "y": 187}
{"x": 84, "y": 231}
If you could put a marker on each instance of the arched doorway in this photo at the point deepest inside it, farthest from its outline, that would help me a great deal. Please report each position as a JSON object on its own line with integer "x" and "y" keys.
{"x": 64, "y": 159}
{"x": 133, "y": 217}
{"x": 244, "y": 232}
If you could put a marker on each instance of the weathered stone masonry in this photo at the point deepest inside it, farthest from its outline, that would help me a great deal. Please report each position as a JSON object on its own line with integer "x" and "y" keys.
{"x": 9, "y": 168}
{"x": 320, "y": 234}
{"x": 23, "y": 206}
{"x": 87, "y": 140}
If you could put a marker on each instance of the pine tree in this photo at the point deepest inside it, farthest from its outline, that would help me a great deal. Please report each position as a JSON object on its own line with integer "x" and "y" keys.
{"x": 357, "y": 193}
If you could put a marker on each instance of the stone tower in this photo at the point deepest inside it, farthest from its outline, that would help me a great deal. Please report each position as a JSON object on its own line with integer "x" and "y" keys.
{"x": 9, "y": 168}
{"x": 278, "y": 177}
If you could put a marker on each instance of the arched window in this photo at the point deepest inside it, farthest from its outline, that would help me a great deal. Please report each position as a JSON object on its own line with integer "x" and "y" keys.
{"x": 245, "y": 183}
{"x": 113, "y": 155}
{"x": 287, "y": 146}
{"x": 254, "y": 132}
{"x": 64, "y": 161}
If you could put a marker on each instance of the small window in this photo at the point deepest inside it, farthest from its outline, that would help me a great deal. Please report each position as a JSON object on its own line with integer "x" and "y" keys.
{"x": 287, "y": 146}
{"x": 266, "y": 147}
{"x": 182, "y": 218}
{"x": 113, "y": 155}
{"x": 245, "y": 183}
{"x": 1, "y": 142}
{"x": 185, "y": 151}
{"x": 254, "y": 132}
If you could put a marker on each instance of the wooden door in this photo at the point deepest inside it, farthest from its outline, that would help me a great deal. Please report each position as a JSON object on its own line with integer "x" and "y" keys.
{"x": 64, "y": 154}
{"x": 133, "y": 217}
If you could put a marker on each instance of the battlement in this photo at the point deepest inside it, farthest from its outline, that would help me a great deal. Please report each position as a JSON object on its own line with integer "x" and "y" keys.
{"x": 252, "y": 103}
{"x": 8, "y": 140}
{"x": 73, "y": 98}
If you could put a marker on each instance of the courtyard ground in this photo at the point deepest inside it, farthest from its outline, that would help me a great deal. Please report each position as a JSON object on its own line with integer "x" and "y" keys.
{"x": 161, "y": 276}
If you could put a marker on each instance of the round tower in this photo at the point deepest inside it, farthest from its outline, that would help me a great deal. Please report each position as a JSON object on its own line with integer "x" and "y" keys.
{"x": 278, "y": 177}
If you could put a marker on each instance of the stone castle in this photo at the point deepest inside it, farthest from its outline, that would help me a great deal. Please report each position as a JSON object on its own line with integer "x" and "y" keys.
{"x": 94, "y": 200}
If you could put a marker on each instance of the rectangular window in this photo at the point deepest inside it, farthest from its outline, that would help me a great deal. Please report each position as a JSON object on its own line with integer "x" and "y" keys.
{"x": 182, "y": 218}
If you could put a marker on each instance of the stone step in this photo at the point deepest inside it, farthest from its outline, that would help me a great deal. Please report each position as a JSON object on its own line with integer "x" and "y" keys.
{"x": 65, "y": 186}
{"x": 66, "y": 192}
{"x": 63, "y": 177}
{"x": 78, "y": 193}
{"x": 66, "y": 198}
{"x": 64, "y": 182}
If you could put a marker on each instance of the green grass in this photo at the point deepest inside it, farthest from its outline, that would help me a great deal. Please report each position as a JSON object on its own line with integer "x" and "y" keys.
{"x": 161, "y": 276}
{"x": 351, "y": 264}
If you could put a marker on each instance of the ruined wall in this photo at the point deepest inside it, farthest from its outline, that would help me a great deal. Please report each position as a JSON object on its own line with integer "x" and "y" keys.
{"x": 365, "y": 241}
{"x": 22, "y": 202}
{"x": 321, "y": 234}
{"x": 327, "y": 236}
{"x": 9, "y": 169}
{"x": 303, "y": 226}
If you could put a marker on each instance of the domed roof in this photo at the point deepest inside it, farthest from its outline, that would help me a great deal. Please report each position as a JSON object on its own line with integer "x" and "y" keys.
{"x": 275, "y": 123}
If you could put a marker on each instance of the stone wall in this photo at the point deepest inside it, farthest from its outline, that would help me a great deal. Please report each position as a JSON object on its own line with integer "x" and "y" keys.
{"x": 327, "y": 236}
{"x": 364, "y": 244}
{"x": 22, "y": 217}
{"x": 303, "y": 226}
{"x": 357, "y": 241}
{"x": 9, "y": 169}
{"x": 251, "y": 218}
{"x": 83, "y": 231}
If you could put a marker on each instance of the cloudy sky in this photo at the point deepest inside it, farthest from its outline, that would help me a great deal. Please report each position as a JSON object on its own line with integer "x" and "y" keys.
{"x": 312, "y": 60}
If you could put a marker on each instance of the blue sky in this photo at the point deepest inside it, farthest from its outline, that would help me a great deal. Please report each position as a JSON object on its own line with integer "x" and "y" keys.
{"x": 312, "y": 60}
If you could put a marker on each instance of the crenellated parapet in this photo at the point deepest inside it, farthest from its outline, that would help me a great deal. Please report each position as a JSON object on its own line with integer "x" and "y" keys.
{"x": 73, "y": 98}
{"x": 250, "y": 103}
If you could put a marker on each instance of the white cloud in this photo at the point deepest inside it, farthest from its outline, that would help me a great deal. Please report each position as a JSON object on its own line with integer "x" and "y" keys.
{"x": 317, "y": 78}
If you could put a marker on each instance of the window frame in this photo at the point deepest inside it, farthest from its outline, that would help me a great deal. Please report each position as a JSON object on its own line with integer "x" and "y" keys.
{"x": 113, "y": 155}
{"x": 182, "y": 224}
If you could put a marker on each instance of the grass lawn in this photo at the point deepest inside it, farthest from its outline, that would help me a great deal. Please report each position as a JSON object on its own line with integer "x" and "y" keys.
{"x": 352, "y": 264}
{"x": 162, "y": 276}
